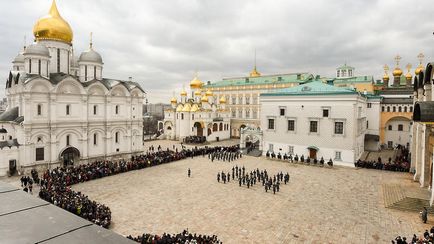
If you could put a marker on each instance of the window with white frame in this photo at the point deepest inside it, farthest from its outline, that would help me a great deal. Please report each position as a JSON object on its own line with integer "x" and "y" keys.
{"x": 271, "y": 124}
{"x": 282, "y": 111}
{"x": 234, "y": 113}
{"x": 247, "y": 100}
{"x": 339, "y": 128}
{"x": 338, "y": 155}
{"x": 291, "y": 125}
{"x": 39, "y": 109}
{"x": 240, "y": 113}
{"x": 255, "y": 114}
{"x": 248, "y": 114}
{"x": 313, "y": 127}
{"x": 369, "y": 105}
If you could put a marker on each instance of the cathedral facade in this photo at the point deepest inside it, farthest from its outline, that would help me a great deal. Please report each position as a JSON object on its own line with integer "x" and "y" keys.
{"x": 201, "y": 114}
{"x": 60, "y": 108}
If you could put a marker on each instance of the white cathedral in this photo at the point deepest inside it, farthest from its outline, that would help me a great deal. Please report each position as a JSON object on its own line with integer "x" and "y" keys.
{"x": 61, "y": 110}
{"x": 202, "y": 114}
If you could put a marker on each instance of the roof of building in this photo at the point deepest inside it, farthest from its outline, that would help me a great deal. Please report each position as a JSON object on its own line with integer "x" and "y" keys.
{"x": 10, "y": 114}
{"x": 354, "y": 79}
{"x": 424, "y": 112}
{"x": 28, "y": 219}
{"x": 313, "y": 88}
{"x": 263, "y": 80}
{"x": 9, "y": 143}
{"x": 397, "y": 100}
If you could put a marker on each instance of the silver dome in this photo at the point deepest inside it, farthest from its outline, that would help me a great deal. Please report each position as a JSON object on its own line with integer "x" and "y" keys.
{"x": 19, "y": 58}
{"x": 90, "y": 56}
{"x": 37, "y": 49}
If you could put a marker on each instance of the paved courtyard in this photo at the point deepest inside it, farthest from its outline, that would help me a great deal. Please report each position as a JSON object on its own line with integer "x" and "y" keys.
{"x": 320, "y": 205}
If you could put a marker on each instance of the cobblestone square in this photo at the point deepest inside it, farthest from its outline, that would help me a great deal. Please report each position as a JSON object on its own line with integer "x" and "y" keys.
{"x": 319, "y": 205}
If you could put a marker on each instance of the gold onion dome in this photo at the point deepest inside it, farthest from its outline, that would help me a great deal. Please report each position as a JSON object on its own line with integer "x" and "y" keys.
{"x": 197, "y": 93}
{"x": 418, "y": 69}
{"x": 196, "y": 83}
{"x": 255, "y": 73}
{"x": 183, "y": 93}
{"x": 204, "y": 99}
{"x": 53, "y": 27}
{"x": 408, "y": 76}
{"x": 397, "y": 72}
{"x": 173, "y": 100}
{"x": 385, "y": 77}
{"x": 223, "y": 100}
{"x": 208, "y": 93}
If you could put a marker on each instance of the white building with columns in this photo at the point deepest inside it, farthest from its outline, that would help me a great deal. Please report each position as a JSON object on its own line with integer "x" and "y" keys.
{"x": 200, "y": 114}
{"x": 60, "y": 108}
{"x": 315, "y": 120}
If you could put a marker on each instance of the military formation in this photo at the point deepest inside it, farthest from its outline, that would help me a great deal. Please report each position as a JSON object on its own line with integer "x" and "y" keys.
{"x": 254, "y": 177}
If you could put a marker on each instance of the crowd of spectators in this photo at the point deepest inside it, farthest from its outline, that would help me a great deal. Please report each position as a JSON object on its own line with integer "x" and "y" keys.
{"x": 401, "y": 162}
{"x": 55, "y": 184}
{"x": 182, "y": 238}
{"x": 296, "y": 159}
{"x": 425, "y": 238}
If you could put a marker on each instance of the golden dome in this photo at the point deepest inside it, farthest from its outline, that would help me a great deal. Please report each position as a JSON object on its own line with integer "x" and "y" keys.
{"x": 223, "y": 100}
{"x": 255, "y": 73}
{"x": 408, "y": 76}
{"x": 53, "y": 27}
{"x": 204, "y": 99}
{"x": 397, "y": 72}
{"x": 209, "y": 93}
{"x": 196, "y": 83}
{"x": 418, "y": 69}
{"x": 186, "y": 108}
{"x": 173, "y": 100}
{"x": 197, "y": 93}
{"x": 183, "y": 93}
{"x": 385, "y": 77}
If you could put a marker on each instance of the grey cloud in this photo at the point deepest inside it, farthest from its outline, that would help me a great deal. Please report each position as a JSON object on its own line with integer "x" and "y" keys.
{"x": 162, "y": 43}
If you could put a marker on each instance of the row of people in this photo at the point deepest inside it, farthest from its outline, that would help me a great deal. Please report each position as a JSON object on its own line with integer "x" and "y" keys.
{"x": 194, "y": 139}
{"x": 392, "y": 166}
{"x": 181, "y": 238}
{"x": 297, "y": 159}
{"x": 55, "y": 184}
{"x": 426, "y": 237}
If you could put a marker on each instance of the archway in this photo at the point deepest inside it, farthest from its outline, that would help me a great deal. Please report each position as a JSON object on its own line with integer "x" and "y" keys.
{"x": 199, "y": 129}
{"x": 69, "y": 156}
{"x": 250, "y": 139}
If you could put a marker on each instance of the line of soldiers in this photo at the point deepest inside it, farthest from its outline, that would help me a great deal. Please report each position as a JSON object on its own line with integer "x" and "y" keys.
{"x": 225, "y": 155}
{"x": 255, "y": 176}
{"x": 297, "y": 159}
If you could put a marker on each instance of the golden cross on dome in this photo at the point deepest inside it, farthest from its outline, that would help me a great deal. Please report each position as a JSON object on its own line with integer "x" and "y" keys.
{"x": 408, "y": 66}
{"x": 397, "y": 59}
{"x": 420, "y": 57}
{"x": 386, "y": 68}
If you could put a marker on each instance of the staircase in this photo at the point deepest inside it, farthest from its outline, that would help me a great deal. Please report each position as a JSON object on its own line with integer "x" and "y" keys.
{"x": 396, "y": 197}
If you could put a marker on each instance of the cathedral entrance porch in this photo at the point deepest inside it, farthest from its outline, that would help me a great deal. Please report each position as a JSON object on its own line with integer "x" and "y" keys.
{"x": 69, "y": 156}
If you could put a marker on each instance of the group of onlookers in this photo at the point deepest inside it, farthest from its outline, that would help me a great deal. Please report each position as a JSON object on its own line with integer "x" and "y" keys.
{"x": 182, "y": 238}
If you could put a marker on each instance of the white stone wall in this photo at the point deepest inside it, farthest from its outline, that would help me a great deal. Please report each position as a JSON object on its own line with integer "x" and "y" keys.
{"x": 398, "y": 137}
{"x": 303, "y": 109}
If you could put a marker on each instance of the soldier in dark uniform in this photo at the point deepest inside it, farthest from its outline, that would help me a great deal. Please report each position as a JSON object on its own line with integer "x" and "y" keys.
{"x": 189, "y": 172}
{"x": 218, "y": 177}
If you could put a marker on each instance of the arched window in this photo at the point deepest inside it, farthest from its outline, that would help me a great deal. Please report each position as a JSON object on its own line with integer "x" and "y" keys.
{"x": 39, "y": 109}
{"x": 39, "y": 67}
{"x": 117, "y": 109}
{"x": 117, "y": 137}
{"x": 411, "y": 109}
{"x": 30, "y": 66}
{"x": 85, "y": 73}
{"x": 221, "y": 127}
{"x": 95, "y": 109}
{"x": 405, "y": 109}
{"x": 182, "y": 116}
{"x": 214, "y": 127}
{"x": 394, "y": 109}
{"x": 388, "y": 109}
{"x": 67, "y": 140}
{"x": 95, "y": 137}
{"x": 399, "y": 109}
{"x": 94, "y": 72}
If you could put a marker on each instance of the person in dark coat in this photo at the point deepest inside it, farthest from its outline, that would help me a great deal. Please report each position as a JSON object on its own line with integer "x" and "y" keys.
{"x": 424, "y": 215}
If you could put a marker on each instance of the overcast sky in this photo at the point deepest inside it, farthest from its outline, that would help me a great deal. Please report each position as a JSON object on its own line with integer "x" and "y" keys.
{"x": 162, "y": 43}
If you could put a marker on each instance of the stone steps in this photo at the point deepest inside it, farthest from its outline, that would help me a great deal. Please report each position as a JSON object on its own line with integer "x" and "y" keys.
{"x": 395, "y": 197}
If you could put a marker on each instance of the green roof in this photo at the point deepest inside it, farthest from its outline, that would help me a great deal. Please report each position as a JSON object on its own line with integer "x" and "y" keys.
{"x": 355, "y": 79}
{"x": 313, "y": 88}
{"x": 345, "y": 66}
{"x": 263, "y": 80}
